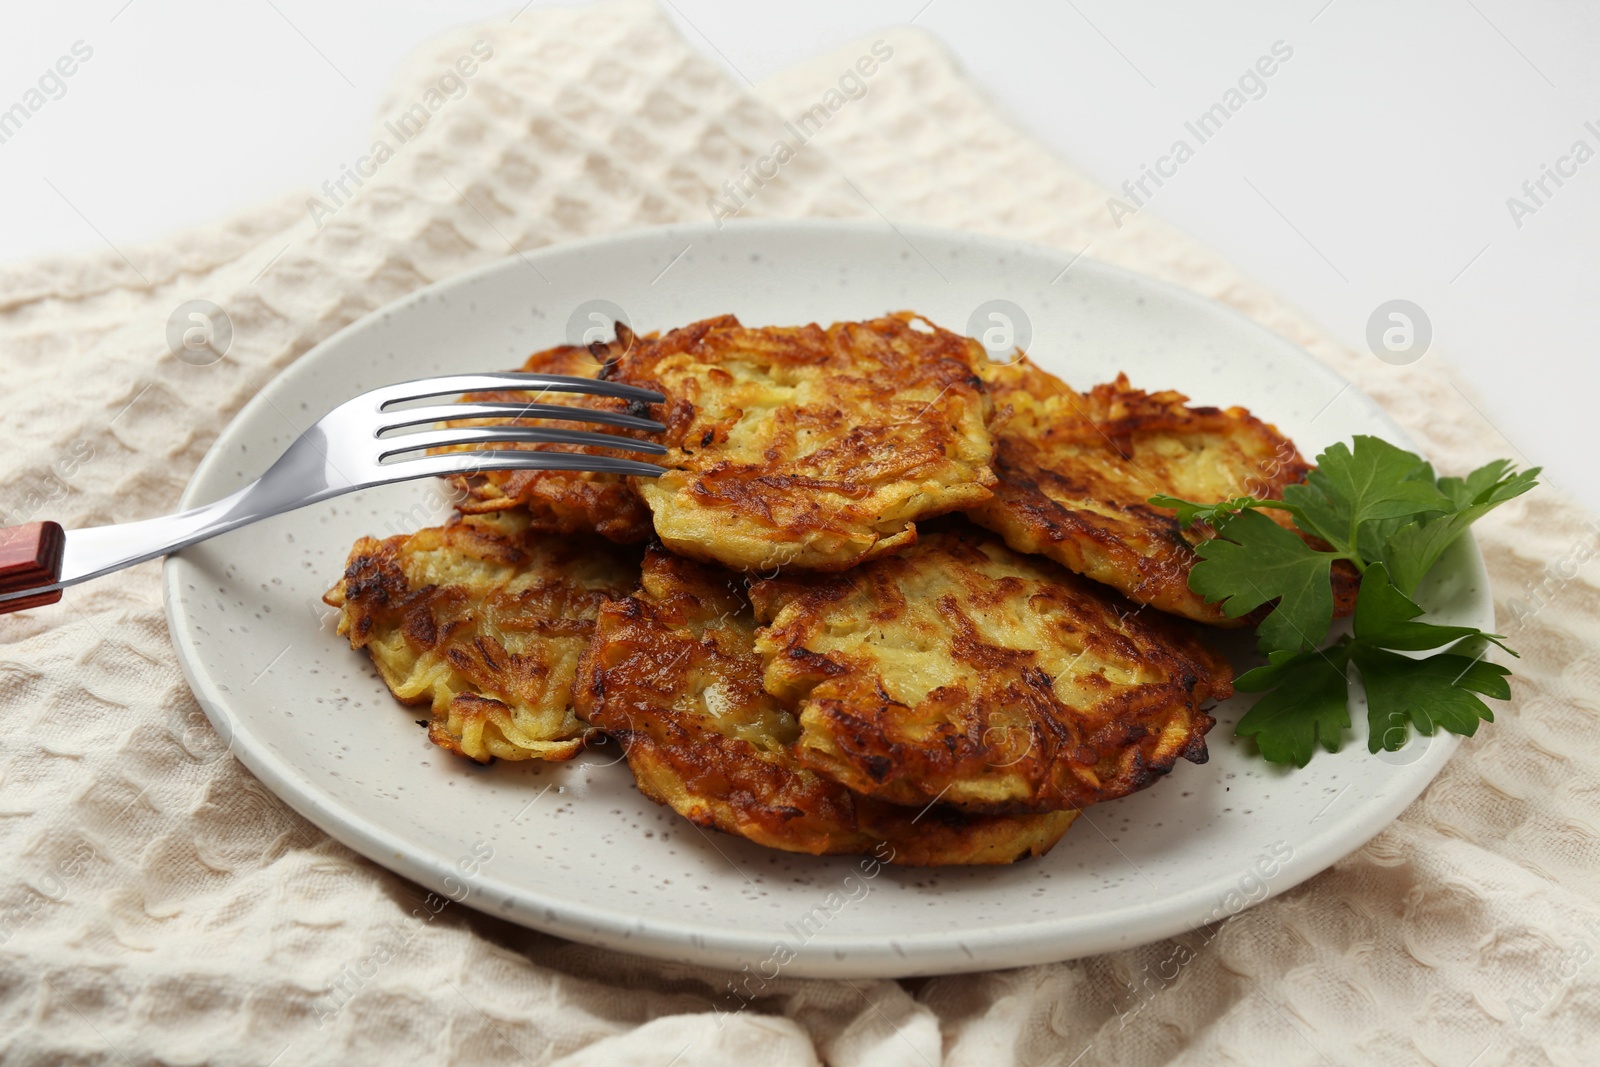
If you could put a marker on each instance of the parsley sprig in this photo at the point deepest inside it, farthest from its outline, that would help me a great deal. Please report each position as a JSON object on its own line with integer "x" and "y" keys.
{"x": 1383, "y": 511}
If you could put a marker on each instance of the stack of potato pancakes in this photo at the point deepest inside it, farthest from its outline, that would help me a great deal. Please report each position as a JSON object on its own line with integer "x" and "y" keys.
{"x": 890, "y": 597}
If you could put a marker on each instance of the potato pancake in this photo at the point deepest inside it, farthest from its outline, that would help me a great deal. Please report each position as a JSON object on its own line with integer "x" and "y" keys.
{"x": 674, "y": 676}
{"x": 567, "y": 502}
{"x": 485, "y": 620}
{"x": 963, "y": 671}
{"x": 810, "y": 447}
{"x": 1076, "y": 469}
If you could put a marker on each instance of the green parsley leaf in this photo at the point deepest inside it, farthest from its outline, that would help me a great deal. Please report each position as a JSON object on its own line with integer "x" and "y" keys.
{"x": 1306, "y": 693}
{"x": 1190, "y": 512}
{"x": 1216, "y": 514}
{"x": 1354, "y": 485}
{"x": 1413, "y": 549}
{"x": 1383, "y": 509}
{"x": 1478, "y": 484}
{"x": 1308, "y": 704}
{"x": 1437, "y": 691}
{"x": 1385, "y": 618}
{"x": 1253, "y": 561}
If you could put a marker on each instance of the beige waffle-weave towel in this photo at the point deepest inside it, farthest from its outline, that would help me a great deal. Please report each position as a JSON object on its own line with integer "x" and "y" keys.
{"x": 157, "y": 906}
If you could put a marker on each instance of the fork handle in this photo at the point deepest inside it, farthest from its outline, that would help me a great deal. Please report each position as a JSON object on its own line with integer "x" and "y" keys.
{"x": 30, "y": 556}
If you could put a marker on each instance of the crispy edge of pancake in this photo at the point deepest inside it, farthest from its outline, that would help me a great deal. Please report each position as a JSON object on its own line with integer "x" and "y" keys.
{"x": 1076, "y": 469}
{"x": 565, "y": 502}
{"x": 673, "y": 675}
{"x": 484, "y": 620}
{"x": 810, "y": 447}
{"x": 997, "y": 682}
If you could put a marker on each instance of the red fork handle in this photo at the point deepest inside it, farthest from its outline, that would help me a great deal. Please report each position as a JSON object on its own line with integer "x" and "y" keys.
{"x": 30, "y": 556}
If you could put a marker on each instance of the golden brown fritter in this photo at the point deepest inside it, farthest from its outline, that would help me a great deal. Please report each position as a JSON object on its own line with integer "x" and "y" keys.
{"x": 1076, "y": 469}
{"x": 997, "y": 682}
{"x": 813, "y": 448}
{"x": 673, "y": 675}
{"x": 568, "y": 502}
{"x": 485, "y": 620}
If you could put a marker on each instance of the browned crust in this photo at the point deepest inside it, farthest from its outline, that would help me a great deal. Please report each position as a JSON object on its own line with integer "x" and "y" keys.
{"x": 1076, "y": 470}
{"x": 484, "y": 620}
{"x": 998, "y": 682}
{"x": 672, "y": 674}
{"x": 566, "y": 502}
{"x": 810, "y": 447}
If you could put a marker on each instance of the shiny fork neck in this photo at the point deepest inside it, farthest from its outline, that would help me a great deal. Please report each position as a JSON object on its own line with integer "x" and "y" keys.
{"x": 301, "y": 476}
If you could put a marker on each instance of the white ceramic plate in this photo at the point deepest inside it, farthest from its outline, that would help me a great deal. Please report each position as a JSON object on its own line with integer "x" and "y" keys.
{"x": 575, "y": 849}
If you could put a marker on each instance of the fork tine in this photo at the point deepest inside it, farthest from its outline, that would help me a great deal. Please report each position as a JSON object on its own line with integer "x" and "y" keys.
{"x": 479, "y": 462}
{"x": 514, "y": 410}
{"x": 474, "y": 435}
{"x": 501, "y": 380}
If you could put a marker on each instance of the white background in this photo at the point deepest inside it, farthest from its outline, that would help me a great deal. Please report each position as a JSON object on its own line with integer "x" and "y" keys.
{"x": 1377, "y": 165}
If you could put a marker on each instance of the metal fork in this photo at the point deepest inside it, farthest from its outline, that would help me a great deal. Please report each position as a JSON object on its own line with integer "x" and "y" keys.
{"x": 355, "y": 446}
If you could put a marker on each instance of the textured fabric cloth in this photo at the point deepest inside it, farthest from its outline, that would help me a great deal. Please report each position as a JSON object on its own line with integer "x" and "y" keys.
{"x": 157, "y": 905}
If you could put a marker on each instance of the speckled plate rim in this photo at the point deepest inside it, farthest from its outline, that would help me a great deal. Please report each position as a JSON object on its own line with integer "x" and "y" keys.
{"x": 1011, "y": 945}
